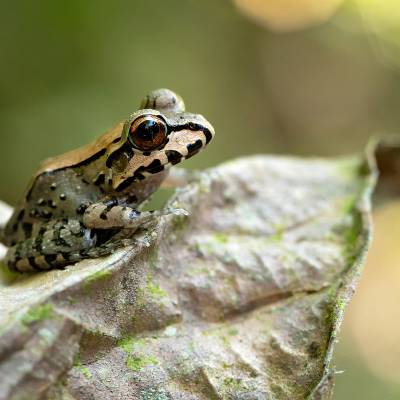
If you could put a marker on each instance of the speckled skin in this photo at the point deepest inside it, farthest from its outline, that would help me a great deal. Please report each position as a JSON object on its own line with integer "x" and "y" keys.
{"x": 79, "y": 205}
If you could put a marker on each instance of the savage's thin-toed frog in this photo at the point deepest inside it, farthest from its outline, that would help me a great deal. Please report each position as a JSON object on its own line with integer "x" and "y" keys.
{"x": 79, "y": 204}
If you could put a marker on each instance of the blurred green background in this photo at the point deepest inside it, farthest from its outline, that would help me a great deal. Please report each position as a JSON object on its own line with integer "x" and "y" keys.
{"x": 306, "y": 77}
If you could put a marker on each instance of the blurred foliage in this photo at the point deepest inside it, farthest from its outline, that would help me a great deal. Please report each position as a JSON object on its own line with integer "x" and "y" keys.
{"x": 70, "y": 70}
{"x": 288, "y": 15}
{"x": 355, "y": 381}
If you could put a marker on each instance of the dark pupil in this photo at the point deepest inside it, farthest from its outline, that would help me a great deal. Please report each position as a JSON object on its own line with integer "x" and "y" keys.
{"x": 147, "y": 131}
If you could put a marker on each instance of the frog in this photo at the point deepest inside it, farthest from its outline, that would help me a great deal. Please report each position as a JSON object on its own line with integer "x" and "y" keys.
{"x": 85, "y": 203}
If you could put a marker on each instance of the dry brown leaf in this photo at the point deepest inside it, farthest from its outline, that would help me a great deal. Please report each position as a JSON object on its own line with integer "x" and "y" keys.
{"x": 242, "y": 300}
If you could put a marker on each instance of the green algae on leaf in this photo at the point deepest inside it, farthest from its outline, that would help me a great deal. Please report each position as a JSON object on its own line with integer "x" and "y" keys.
{"x": 82, "y": 368}
{"x": 135, "y": 364}
{"x": 38, "y": 313}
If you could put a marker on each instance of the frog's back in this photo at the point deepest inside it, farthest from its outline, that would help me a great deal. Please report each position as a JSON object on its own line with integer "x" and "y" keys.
{"x": 83, "y": 154}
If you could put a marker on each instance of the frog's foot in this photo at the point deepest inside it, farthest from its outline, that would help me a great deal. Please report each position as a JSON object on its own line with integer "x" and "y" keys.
{"x": 101, "y": 216}
{"x": 57, "y": 244}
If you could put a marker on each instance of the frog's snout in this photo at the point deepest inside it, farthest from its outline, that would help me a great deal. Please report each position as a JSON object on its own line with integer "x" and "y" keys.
{"x": 201, "y": 126}
{"x": 207, "y": 127}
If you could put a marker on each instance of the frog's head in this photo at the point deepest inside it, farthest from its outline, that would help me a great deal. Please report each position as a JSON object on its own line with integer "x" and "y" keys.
{"x": 158, "y": 135}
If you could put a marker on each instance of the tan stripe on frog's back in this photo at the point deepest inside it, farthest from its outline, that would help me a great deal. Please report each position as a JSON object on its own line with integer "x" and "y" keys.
{"x": 77, "y": 156}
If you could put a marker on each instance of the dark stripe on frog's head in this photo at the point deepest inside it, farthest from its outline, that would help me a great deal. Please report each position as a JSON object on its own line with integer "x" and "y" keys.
{"x": 209, "y": 134}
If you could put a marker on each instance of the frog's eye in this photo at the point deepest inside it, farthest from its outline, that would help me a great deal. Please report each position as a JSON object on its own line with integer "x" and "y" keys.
{"x": 148, "y": 132}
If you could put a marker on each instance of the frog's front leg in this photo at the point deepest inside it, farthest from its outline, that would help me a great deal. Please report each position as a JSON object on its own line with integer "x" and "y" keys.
{"x": 105, "y": 216}
{"x": 54, "y": 245}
